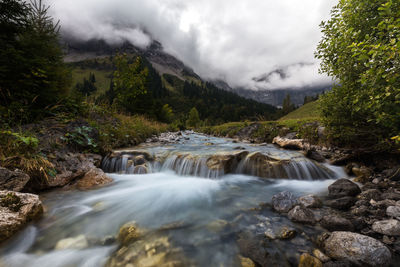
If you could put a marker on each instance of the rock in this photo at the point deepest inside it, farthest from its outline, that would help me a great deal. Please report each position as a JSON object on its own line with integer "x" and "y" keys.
{"x": 314, "y": 155}
{"x": 93, "y": 179}
{"x": 362, "y": 173}
{"x": 284, "y": 201}
{"x": 389, "y": 227}
{"x": 226, "y": 161}
{"x": 369, "y": 194}
{"x": 336, "y": 223}
{"x": 393, "y": 211}
{"x": 78, "y": 242}
{"x": 393, "y": 174}
{"x": 359, "y": 211}
{"x": 296, "y": 144}
{"x": 218, "y": 226}
{"x": 359, "y": 249}
{"x": 286, "y": 233}
{"x": 306, "y": 260}
{"x": 301, "y": 215}
{"x": 139, "y": 160}
{"x": 13, "y": 180}
{"x": 391, "y": 195}
{"x": 310, "y": 201}
{"x": 140, "y": 170}
{"x": 16, "y": 210}
{"x": 343, "y": 203}
{"x": 246, "y": 262}
{"x": 338, "y": 264}
{"x": 320, "y": 255}
{"x": 128, "y": 233}
{"x": 343, "y": 188}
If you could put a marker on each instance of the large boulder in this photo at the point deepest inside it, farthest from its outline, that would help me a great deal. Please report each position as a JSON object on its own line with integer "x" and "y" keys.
{"x": 13, "y": 180}
{"x": 92, "y": 179}
{"x": 296, "y": 144}
{"x": 389, "y": 227}
{"x": 343, "y": 203}
{"x": 359, "y": 249}
{"x": 314, "y": 155}
{"x": 284, "y": 201}
{"x": 343, "y": 188}
{"x": 16, "y": 210}
{"x": 302, "y": 215}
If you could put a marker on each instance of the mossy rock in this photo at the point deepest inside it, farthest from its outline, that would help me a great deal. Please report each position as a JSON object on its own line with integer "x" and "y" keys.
{"x": 11, "y": 201}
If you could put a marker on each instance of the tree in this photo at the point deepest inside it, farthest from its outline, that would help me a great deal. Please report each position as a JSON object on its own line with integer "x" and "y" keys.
{"x": 33, "y": 75}
{"x": 194, "y": 118}
{"x": 287, "y": 105}
{"x": 129, "y": 81}
{"x": 360, "y": 49}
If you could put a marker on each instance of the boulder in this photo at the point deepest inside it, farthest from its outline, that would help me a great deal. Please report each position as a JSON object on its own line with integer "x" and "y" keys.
{"x": 139, "y": 160}
{"x": 284, "y": 201}
{"x": 93, "y": 179}
{"x": 343, "y": 188}
{"x": 302, "y": 215}
{"x": 343, "y": 203}
{"x": 320, "y": 255}
{"x": 13, "y": 180}
{"x": 296, "y": 144}
{"x": 78, "y": 242}
{"x": 336, "y": 223}
{"x": 310, "y": 201}
{"x": 306, "y": 260}
{"x": 314, "y": 155}
{"x": 393, "y": 211}
{"x": 389, "y": 227}
{"x": 16, "y": 210}
{"x": 359, "y": 249}
{"x": 226, "y": 161}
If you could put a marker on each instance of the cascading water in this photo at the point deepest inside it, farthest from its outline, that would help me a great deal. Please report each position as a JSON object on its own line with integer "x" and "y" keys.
{"x": 195, "y": 199}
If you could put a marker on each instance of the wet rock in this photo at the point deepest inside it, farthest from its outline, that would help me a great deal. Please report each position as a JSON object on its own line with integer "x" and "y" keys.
{"x": 359, "y": 211}
{"x": 338, "y": 264}
{"x": 391, "y": 195}
{"x": 129, "y": 233}
{"x": 140, "y": 170}
{"x": 284, "y": 201}
{"x": 393, "y": 173}
{"x": 343, "y": 188}
{"x": 301, "y": 215}
{"x": 336, "y": 223}
{"x": 13, "y": 180}
{"x": 16, "y": 210}
{"x": 306, "y": 260}
{"x": 286, "y": 233}
{"x": 218, "y": 226}
{"x": 310, "y": 201}
{"x": 343, "y": 203}
{"x": 93, "y": 179}
{"x": 320, "y": 255}
{"x": 362, "y": 174}
{"x": 139, "y": 160}
{"x": 246, "y": 262}
{"x": 389, "y": 227}
{"x": 226, "y": 161}
{"x": 314, "y": 155}
{"x": 358, "y": 249}
{"x": 78, "y": 242}
{"x": 393, "y": 211}
{"x": 369, "y": 194}
{"x": 296, "y": 144}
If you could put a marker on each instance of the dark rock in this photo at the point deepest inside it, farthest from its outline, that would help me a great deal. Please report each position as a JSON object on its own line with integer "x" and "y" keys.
{"x": 359, "y": 211}
{"x": 284, "y": 201}
{"x": 336, "y": 223}
{"x": 306, "y": 260}
{"x": 359, "y": 249}
{"x": 391, "y": 195}
{"x": 314, "y": 155}
{"x": 393, "y": 173}
{"x": 338, "y": 264}
{"x": 342, "y": 188}
{"x": 369, "y": 185}
{"x": 343, "y": 203}
{"x": 302, "y": 215}
{"x": 310, "y": 201}
{"x": 369, "y": 194}
{"x": 13, "y": 180}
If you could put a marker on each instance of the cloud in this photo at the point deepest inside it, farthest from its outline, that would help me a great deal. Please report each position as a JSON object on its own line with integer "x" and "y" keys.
{"x": 233, "y": 40}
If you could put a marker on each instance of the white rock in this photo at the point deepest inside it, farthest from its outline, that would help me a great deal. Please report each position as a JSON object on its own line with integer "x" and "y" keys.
{"x": 78, "y": 242}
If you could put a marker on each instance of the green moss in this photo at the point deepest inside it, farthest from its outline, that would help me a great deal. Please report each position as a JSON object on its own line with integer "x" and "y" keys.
{"x": 11, "y": 201}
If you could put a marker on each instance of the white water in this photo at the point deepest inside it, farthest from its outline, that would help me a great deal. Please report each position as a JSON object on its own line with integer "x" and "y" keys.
{"x": 152, "y": 200}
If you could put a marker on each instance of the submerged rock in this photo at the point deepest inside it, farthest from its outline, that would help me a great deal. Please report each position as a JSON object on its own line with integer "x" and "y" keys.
{"x": 13, "y": 180}
{"x": 78, "y": 242}
{"x": 302, "y": 215}
{"x": 16, "y": 210}
{"x": 389, "y": 227}
{"x": 359, "y": 249}
{"x": 306, "y": 260}
{"x": 320, "y": 255}
{"x": 129, "y": 233}
{"x": 284, "y": 201}
{"x": 343, "y": 188}
{"x": 246, "y": 262}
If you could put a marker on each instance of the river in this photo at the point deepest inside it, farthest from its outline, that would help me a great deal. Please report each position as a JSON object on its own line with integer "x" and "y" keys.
{"x": 200, "y": 210}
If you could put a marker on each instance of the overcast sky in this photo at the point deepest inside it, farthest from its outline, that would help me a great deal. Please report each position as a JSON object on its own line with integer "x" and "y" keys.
{"x": 232, "y": 40}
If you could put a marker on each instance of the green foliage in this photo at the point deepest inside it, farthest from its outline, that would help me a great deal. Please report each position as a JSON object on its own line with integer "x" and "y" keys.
{"x": 307, "y": 111}
{"x": 166, "y": 114}
{"x": 33, "y": 76}
{"x": 287, "y": 105}
{"x": 361, "y": 50}
{"x": 81, "y": 137}
{"x": 194, "y": 119}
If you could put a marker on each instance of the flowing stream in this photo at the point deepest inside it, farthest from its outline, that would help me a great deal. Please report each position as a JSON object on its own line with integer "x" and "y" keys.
{"x": 199, "y": 193}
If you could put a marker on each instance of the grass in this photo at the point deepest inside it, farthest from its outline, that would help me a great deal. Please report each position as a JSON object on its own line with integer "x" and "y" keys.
{"x": 307, "y": 111}
{"x": 103, "y": 78}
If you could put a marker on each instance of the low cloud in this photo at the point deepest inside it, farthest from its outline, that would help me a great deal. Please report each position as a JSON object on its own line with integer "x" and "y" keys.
{"x": 232, "y": 40}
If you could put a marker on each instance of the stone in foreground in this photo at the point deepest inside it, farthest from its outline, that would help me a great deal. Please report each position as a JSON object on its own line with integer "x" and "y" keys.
{"x": 16, "y": 210}
{"x": 284, "y": 201}
{"x": 13, "y": 180}
{"x": 302, "y": 215}
{"x": 387, "y": 227}
{"x": 359, "y": 249}
{"x": 343, "y": 188}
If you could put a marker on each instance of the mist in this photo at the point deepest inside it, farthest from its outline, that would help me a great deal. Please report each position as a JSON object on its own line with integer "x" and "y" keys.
{"x": 235, "y": 41}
